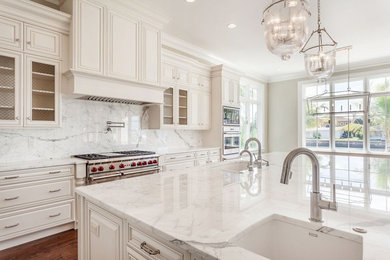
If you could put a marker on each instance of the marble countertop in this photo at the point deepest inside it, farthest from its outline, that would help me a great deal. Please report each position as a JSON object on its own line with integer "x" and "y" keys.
{"x": 202, "y": 210}
{"x": 12, "y": 166}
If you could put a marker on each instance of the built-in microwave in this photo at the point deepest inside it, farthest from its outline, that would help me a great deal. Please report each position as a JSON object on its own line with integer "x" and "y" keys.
{"x": 231, "y": 116}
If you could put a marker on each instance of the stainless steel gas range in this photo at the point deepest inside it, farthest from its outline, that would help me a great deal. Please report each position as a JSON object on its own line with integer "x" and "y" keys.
{"x": 102, "y": 167}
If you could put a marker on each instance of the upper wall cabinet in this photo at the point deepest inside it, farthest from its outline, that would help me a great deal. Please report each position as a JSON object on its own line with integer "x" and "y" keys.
{"x": 115, "y": 43}
{"x": 122, "y": 46}
{"x": 11, "y": 33}
{"x": 231, "y": 92}
{"x": 33, "y": 51}
{"x": 88, "y": 36}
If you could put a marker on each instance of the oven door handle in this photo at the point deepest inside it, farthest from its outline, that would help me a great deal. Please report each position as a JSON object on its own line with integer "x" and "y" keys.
{"x": 92, "y": 178}
{"x": 135, "y": 171}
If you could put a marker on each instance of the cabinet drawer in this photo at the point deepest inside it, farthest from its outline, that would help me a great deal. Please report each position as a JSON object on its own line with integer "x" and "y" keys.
{"x": 178, "y": 157}
{"x": 42, "y": 41}
{"x": 201, "y": 154}
{"x": 19, "y": 194}
{"x": 11, "y": 177}
{"x": 214, "y": 153}
{"x": 40, "y": 218}
{"x": 134, "y": 255}
{"x": 179, "y": 166}
{"x": 214, "y": 159}
{"x": 151, "y": 248}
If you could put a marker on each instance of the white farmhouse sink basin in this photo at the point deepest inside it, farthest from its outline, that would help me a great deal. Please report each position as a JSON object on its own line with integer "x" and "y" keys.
{"x": 282, "y": 238}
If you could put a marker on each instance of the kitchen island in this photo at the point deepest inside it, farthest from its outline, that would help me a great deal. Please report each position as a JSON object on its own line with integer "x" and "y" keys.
{"x": 201, "y": 213}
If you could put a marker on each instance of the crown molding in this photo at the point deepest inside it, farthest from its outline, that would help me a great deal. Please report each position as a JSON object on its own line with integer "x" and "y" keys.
{"x": 383, "y": 61}
{"x": 202, "y": 54}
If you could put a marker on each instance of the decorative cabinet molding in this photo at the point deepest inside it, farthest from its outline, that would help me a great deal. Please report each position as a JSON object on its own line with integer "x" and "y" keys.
{"x": 11, "y": 33}
{"x": 88, "y": 22}
{"x": 110, "y": 42}
{"x": 231, "y": 92}
{"x": 42, "y": 42}
{"x": 123, "y": 42}
{"x": 187, "y": 97}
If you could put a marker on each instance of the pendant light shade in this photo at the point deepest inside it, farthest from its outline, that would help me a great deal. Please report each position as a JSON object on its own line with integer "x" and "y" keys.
{"x": 320, "y": 52}
{"x": 286, "y": 26}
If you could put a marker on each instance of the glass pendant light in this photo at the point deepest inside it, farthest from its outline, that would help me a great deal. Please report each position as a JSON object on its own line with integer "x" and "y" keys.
{"x": 320, "y": 52}
{"x": 286, "y": 26}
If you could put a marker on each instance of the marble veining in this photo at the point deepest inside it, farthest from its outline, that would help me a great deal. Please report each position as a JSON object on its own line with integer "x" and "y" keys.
{"x": 205, "y": 209}
{"x": 83, "y": 131}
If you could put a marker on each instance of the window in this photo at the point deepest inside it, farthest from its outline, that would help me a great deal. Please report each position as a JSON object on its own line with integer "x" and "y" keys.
{"x": 251, "y": 112}
{"x": 347, "y": 128}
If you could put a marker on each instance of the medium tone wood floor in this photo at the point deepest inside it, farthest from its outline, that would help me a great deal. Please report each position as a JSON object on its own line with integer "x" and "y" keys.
{"x": 62, "y": 246}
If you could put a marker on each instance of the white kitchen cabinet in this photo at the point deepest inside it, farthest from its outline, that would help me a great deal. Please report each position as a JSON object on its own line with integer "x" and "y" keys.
{"x": 150, "y": 58}
{"x": 11, "y": 102}
{"x": 88, "y": 51}
{"x": 104, "y": 237}
{"x": 42, "y": 92}
{"x": 42, "y": 42}
{"x": 11, "y": 33}
{"x": 122, "y": 46}
{"x": 231, "y": 92}
{"x": 175, "y": 75}
{"x": 173, "y": 113}
{"x": 201, "y": 82}
{"x": 200, "y": 109}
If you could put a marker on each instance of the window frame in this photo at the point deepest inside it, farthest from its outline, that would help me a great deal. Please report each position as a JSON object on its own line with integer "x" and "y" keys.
{"x": 261, "y": 106}
{"x": 366, "y": 77}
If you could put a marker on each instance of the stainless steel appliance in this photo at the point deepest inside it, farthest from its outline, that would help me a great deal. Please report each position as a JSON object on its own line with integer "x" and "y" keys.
{"x": 231, "y": 142}
{"x": 102, "y": 167}
{"x": 231, "y": 116}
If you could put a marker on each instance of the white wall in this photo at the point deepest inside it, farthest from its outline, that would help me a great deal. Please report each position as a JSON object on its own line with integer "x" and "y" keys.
{"x": 283, "y": 111}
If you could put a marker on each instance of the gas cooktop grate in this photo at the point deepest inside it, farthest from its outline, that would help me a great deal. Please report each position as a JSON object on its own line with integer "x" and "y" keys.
{"x": 97, "y": 156}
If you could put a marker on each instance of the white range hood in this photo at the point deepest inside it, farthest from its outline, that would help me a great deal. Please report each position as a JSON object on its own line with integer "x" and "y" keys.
{"x": 102, "y": 88}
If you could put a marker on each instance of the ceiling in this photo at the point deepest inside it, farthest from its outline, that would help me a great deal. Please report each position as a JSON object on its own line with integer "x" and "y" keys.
{"x": 363, "y": 24}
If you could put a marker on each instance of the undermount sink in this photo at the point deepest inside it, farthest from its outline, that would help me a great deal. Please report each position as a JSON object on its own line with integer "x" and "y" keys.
{"x": 282, "y": 238}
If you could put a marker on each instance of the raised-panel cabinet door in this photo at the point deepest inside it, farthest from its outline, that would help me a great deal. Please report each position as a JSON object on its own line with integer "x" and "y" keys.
{"x": 182, "y": 76}
{"x": 226, "y": 92}
{"x": 104, "y": 237}
{"x": 89, "y": 37}
{"x": 42, "y": 107}
{"x": 150, "y": 54}
{"x": 10, "y": 89}
{"x": 11, "y": 35}
{"x": 122, "y": 47}
{"x": 168, "y": 74}
{"x": 194, "y": 108}
{"x": 41, "y": 41}
{"x": 236, "y": 93}
{"x": 204, "y": 105}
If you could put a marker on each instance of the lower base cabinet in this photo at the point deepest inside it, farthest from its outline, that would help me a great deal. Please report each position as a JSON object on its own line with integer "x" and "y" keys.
{"x": 103, "y": 236}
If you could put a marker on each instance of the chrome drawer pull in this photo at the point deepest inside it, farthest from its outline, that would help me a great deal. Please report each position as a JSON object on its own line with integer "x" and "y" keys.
{"x": 55, "y": 215}
{"x": 15, "y": 225}
{"x": 13, "y": 198}
{"x": 149, "y": 249}
{"x": 11, "y": 177}
{"x": 55, "y": 172}
{"x": 172, "y": 158}
{"x": 188, "y": 156}
{"x": 52, "y": 191}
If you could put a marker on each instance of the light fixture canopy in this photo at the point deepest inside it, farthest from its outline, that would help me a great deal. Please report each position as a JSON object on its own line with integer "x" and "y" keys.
{"x": 320, "y": 52}
{"x": 286, "y": 26}
{"x": 231, "y": 25}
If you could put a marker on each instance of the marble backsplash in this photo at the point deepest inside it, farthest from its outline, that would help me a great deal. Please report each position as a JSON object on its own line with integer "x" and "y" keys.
{"x": 83, "y": 130}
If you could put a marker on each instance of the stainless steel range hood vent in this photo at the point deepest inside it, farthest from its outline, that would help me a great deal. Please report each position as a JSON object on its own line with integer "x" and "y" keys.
{"x": 113, "y": 100}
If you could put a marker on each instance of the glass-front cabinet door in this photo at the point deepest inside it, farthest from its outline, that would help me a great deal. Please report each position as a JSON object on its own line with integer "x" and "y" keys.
{"x": 10, "y": 89}
{"x": 168, "y": 107}
{"x": 42, "y": 91}
{"x": 183, "y": 107}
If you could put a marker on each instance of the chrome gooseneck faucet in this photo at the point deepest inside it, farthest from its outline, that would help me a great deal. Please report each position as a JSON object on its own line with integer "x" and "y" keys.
{"x": 250, "y": 165}
{"x": 316, "y": 203}
{"x": 259, "y": 159}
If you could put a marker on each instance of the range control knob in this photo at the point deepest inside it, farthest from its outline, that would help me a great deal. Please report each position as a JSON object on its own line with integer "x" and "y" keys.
{"x": 144, "y": 163}
{"x": 121, "y": 166}
{"x": 150, "y": 162}
{"x": 94, "y": 169}
{"x": 133, "y": 164}
{"x": 139, "y": 163}
{"x": 101, "y": 168}
{"x": 155, "y": 161}
{"x": 112, "y": 167}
